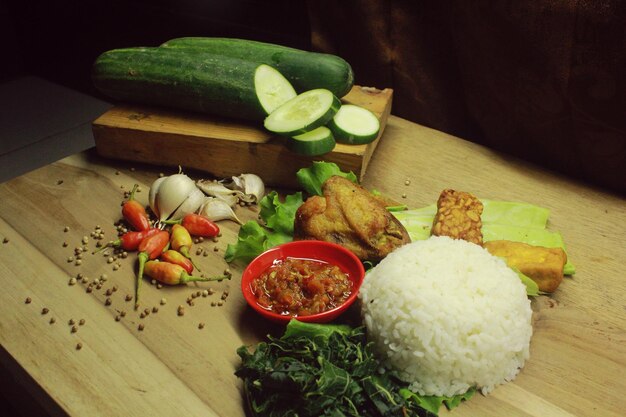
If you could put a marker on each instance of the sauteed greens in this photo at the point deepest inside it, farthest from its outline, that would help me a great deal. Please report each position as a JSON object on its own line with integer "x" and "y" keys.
{"x": 327, "y": 370}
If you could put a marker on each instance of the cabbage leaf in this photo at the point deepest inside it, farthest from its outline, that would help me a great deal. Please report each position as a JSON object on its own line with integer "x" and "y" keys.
{"x": 502, "y": 220}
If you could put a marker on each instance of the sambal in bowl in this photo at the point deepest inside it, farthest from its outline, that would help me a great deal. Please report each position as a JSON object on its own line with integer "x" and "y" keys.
{"x": 309, "y": 280}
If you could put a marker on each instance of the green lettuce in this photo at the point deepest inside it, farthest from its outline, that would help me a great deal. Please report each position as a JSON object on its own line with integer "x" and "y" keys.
{"x": 312, "y": 178}
{"x": 254, "y": 238}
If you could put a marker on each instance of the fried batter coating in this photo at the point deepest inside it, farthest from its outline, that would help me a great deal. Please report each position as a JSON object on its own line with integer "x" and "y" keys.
{"x": 350, "y": 216}
{"x": 458, "y": 216}
{"x": 542, "y": 265}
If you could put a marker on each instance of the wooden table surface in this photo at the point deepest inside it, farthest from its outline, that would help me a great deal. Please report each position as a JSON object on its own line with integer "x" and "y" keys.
{"x": 171, "y": 367}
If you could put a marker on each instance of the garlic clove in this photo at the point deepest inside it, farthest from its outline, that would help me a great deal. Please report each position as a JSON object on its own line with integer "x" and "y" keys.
{"x": 250, "y": 185}
{"x": 218, "y": 190}
{"x": 215, "y": 210}
{"x": 253, "y": 185}
{"x": 191, "y": 204}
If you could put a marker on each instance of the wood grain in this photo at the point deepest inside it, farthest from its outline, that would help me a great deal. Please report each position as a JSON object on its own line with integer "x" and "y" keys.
{"x": 224, "y": 147}
{"x": 578, "y": 349}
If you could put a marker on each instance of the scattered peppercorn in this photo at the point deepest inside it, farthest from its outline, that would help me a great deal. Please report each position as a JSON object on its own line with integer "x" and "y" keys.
{"x": 79, "y": 346}
{"x": 28, "y": 300}
{"x": 44, "y": 310}
{"x": 74, "y": 329}
{"x": 181, "y": 310}
{"x": 107, "y": 302}
{"x": 141, "y": 327}
{"x": 71, "y": 322}
{"x": 81, "y": 322}
{"x": 52, "y": 320}
{"x": 200, "y": 325}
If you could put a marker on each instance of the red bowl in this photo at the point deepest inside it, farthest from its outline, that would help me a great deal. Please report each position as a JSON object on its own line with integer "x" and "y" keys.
{"x": 305, "y": 249}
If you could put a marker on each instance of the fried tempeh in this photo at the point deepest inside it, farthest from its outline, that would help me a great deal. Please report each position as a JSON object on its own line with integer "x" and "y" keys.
{"x": 542, "y": 265}
{"x": 458, "y": 216}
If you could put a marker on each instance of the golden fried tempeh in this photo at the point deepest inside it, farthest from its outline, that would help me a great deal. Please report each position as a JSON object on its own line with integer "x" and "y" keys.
{"x": 542, "y": 265}
{"x": 458, "y": 216}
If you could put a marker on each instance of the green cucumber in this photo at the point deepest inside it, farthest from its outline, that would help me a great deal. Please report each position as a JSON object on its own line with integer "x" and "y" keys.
{"x": 305, "y": 70}
{"x": 198, "y": 82}
{"x": 316, "y": 142}
{"x": 272, "y": 88}
{"x": 303, "y": 113}
{"x": 354, "y": 125}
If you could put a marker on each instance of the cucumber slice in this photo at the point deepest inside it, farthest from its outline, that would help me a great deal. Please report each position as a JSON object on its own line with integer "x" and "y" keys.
{"x": 316, "y": 142}
{"x": 303, "y": 113}
{"x": 272, "y": 88}
{"x": 354, "y": 125}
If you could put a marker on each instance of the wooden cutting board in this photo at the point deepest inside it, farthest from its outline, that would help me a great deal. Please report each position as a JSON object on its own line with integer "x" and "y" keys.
{"x": 222, "y": 147}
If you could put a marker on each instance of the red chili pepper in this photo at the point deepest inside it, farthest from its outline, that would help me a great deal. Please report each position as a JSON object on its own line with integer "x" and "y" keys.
{"x": 172, "y": 274}
{"x": 181, "y": 241}
{"x": 134, "y": 213}
{"x": 149, "y": 248}
{"x": 177, "y": 258}
{"x": 198, "y": 225}
{"x": 130, "y": 240}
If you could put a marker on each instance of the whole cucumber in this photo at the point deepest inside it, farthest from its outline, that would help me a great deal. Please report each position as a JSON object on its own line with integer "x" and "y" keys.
{"x": 200, "y": 82}
{"x": 305, "y": 70}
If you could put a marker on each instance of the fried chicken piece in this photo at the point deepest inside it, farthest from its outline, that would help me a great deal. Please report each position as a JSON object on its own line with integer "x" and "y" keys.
{"x": 542, "y": 265}
{"x": 458, "y": 216}
{"x": 350, "y": 216}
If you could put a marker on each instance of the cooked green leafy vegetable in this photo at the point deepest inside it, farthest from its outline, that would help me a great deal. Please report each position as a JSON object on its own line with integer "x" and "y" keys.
{"x": 327, "y": 370}
{"x": 312, "y": 178}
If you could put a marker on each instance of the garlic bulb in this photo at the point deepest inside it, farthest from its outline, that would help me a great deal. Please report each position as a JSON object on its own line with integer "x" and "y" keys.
{"x": 215, "y": 210}
{"x": 191, "y": 204}
{"x": 152, "y": 194}
{"x": 170, "y": 193}
{"x": 218, "y": 190}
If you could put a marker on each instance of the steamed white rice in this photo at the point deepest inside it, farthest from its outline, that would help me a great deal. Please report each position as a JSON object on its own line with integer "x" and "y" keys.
{"x": 447, "y": 315}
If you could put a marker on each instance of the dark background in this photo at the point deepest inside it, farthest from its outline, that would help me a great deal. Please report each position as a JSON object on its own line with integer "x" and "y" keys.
{"x": 59, "y": 41}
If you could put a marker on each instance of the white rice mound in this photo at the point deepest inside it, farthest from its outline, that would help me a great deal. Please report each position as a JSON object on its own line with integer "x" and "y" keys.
{"x": 447, "y": 315}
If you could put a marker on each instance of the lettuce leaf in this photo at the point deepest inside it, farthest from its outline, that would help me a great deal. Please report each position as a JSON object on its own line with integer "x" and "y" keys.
{"x": 279, "y": 216}
{"x": 312, "y": 178}
{"x": 253, "y": 238}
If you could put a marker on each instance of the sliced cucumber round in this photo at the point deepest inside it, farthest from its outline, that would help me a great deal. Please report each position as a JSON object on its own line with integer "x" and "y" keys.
{"x": 303, "y": 113}
{"x": 272, "y": 88}
{"x": 354, "y": 125}
{"x": 316, "y": 142}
